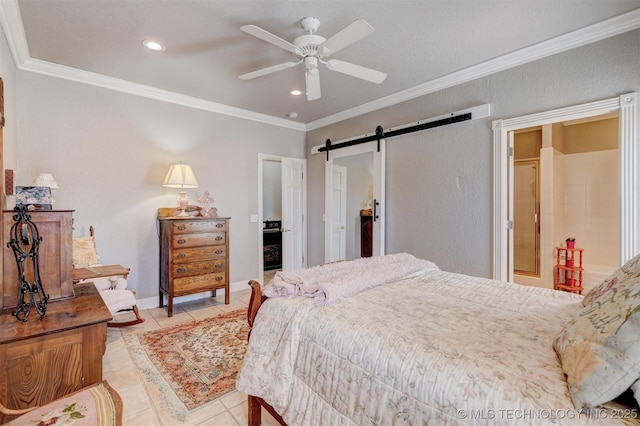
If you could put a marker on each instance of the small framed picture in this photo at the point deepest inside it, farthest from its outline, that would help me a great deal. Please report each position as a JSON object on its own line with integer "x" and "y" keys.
{"x": 37, "y": 196}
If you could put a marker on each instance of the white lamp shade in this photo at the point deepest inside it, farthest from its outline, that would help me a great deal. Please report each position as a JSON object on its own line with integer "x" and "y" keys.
{"x": 180, "y": 176}
{"x": 46, "y": 179}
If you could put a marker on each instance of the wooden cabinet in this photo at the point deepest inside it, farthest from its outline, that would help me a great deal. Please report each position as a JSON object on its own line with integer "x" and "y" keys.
{"x": 45, "y": 359}
{"x": 569, "y": 269}
{"x": 366, "y": 233}
{"x": 194, "y": 257}
{"x": 55, "y": 255}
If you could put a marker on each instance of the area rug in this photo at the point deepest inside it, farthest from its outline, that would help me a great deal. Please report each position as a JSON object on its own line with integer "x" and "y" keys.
{"x": 192, "y": 363}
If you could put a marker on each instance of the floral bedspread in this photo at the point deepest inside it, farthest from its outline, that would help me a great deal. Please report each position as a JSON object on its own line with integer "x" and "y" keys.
{"x": 440, "y": 348}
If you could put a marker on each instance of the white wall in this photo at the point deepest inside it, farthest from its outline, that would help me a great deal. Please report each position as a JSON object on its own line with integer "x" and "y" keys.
{"x": 439, "y": 181}
{"x": 9, "y": 132}
{"x": 109, "y": 152}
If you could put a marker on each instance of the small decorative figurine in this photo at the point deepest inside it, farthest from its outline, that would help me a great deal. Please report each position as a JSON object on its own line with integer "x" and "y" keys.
{"x": 207, "y": 201}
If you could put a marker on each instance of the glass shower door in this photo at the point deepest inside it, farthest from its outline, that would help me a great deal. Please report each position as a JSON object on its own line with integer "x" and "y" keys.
{"x": 526, "y": 224}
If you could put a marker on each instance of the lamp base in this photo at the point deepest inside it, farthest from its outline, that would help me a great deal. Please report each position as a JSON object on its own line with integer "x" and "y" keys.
{"x": 183, "y": 202}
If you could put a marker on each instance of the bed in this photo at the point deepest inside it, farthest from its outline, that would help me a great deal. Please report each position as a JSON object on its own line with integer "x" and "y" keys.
{"x": 433, "y": 347}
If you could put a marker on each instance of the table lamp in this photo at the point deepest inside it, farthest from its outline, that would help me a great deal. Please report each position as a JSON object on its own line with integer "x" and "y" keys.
{"x": 181, "y": 176}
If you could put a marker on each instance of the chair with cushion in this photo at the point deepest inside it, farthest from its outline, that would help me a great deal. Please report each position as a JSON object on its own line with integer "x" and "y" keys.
{"x": 110, "y": 280}
{"x": 97, "y": 404}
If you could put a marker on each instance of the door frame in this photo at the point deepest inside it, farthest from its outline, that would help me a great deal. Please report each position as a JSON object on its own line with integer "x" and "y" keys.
{"x": 629, "y": 156}
{"x": 260, "y": 218}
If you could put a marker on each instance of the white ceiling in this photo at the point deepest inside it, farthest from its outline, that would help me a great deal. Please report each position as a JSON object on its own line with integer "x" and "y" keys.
{"x": 422, "y": 45}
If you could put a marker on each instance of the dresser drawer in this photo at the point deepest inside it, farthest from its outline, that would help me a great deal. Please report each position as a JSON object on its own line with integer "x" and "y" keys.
{"x": 198, "y": 254}
{"x": 199, "y": 283}
{"x": 194, "y": 226}
{"x": 198, "y": 268}
{"x": 198, "y": 240}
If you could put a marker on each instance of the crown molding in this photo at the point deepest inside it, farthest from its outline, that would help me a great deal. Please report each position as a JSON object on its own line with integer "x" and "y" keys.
{"x": 100, "y": 80}
{"x": 599, "y": 31}
{"x": 11, "y": 22}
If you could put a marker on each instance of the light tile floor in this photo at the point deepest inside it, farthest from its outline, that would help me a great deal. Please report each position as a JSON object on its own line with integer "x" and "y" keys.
{"x": 140, "y": 405}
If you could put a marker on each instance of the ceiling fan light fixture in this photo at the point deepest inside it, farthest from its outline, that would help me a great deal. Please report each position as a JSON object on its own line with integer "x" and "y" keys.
{"x": 312, "y": 49}
{"x": 153, "y": 45}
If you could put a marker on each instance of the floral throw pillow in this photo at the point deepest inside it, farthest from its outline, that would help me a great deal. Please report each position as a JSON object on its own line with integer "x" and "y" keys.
{"x": 599, "y": 349}
{"x": 632, "y": 267}
{"x": 84, "y": 252}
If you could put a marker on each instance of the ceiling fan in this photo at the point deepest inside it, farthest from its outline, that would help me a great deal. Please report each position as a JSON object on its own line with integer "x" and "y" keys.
{"x": 311, "y": 49}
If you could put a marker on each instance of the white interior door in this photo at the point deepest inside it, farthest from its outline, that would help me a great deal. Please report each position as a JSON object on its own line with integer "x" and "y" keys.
{"x": 339, "y": 214}
{"x": 332, "y": 245}
{"x": 293, "y": 211}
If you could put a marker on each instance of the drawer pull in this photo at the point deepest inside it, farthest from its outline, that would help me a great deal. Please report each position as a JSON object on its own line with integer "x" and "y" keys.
{"x": 218, "y": 265}
{"x": 181, "y": 227}
{"x": 218, "y": 238}
{"x": 182, "y": 269}
{"x": 218, "y": 278}
{"x": 181, "y": 255}
{"x": 182, "y": 241}
{"x": 219, "y": 225}
{"x": 218, "y": 251}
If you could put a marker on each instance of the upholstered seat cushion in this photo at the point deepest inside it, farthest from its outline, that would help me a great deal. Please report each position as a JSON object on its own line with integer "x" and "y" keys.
{"x": 117, "y": 300}
{"x": 99, "y": 404}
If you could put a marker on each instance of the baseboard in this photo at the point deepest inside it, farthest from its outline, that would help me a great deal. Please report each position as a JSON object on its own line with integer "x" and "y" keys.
{"x": 154, "y": 302}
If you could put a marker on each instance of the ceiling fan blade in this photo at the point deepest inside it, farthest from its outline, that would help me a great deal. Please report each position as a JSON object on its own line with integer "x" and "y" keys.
{"x": 353, "y": 32}
{"x": 356, "y": 71}
{"x": 270, "y": 38}
{"x": 312, "y": 78}
{"x": 268, "y": 70}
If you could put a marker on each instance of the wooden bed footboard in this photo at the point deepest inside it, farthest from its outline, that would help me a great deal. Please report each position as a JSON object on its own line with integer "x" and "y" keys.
{"x": 254, "y": 403}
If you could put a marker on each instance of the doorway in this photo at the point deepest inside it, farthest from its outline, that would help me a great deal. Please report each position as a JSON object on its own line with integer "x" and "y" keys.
{"x": 354, "y": 192}
{"x": 628, "y": 238}
{"x": 281, "y": 213}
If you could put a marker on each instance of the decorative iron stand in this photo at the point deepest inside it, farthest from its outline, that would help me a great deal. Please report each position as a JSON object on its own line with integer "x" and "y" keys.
{"x": 25, "y": 241}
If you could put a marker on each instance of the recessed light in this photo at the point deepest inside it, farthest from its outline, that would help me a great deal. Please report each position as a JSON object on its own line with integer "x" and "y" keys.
{"x": 296, "y": 92}
{"x": 153, "y": 45}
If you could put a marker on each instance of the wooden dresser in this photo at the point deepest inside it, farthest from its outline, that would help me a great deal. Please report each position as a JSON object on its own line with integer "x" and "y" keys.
{"x": 194, "y": 257}
{"x": 55, "y": 255}
{"x": 45, "y": 359}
